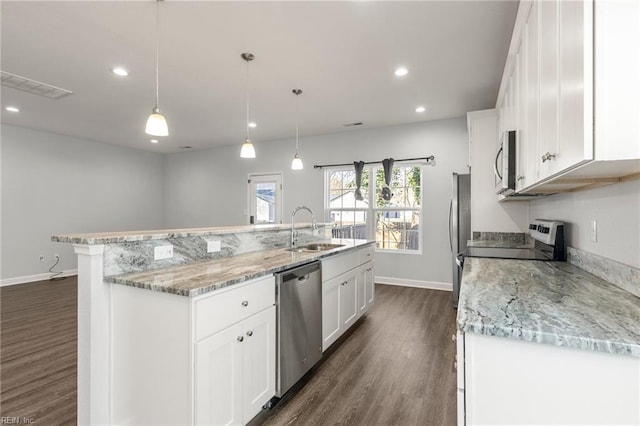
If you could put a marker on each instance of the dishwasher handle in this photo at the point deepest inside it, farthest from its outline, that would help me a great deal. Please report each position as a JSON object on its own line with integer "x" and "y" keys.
{"x": 303, "y": 278}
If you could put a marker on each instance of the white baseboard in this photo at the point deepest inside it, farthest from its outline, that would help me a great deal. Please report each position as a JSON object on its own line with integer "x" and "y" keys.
{"x": 37, "y": 277}
{"x": 414, "y": 283}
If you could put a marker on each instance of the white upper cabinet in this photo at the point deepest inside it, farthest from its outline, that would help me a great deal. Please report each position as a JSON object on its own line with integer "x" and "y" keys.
{"x": 571, "y": 90}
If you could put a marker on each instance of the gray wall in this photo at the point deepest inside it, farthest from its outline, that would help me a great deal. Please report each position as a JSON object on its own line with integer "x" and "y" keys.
{"x": 56, "y": 184}
{"x": 209, "y": 187}
{"x": 616, "y": 209}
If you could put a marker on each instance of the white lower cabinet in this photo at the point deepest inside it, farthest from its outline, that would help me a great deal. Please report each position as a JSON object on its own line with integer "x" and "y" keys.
{"x": 206, "y": 360}
{"x": 347, "y": 292}
{"x": 366, "y": 293}
{"x": 508, "y": 381}
{"x": 234, "y": 372}
{"x": 339, "y": 306}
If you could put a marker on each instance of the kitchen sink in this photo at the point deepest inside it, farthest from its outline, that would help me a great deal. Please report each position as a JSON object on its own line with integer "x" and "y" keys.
{"x": 322, "y": 246}
{"x": 314, "y": 247}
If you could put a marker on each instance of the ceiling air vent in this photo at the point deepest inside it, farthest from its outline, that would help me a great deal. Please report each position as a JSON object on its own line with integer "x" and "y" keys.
{"x": 359, "y": 123}
{"x": 32, "y": 86}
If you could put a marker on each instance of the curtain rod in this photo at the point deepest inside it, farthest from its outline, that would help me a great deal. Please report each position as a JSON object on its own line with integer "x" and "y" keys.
{"x": 427, "y": 159}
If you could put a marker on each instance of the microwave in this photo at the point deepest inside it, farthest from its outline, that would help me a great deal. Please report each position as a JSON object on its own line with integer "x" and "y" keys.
{"x": 504, "y": 166}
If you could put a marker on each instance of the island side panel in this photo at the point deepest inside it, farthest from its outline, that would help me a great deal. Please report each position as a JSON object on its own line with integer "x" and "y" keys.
{"x": 94, "y": 331}
{"x": 152, "y": 357}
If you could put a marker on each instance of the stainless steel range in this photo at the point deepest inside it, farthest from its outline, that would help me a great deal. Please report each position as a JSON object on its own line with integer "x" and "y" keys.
{"x": 549, "y": 244}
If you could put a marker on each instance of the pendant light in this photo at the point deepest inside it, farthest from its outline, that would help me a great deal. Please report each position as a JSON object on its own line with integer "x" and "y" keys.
{"x": 247, "y": 150}
{"x": 156, "y": 123}
{"x": 296, "y": 164}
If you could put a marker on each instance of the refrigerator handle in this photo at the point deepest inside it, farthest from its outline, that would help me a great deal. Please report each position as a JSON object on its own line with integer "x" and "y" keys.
{"x": 450, "y": 224}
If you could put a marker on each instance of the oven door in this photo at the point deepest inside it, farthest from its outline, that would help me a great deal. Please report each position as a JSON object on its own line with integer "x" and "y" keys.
{"x": 504, "y": 166}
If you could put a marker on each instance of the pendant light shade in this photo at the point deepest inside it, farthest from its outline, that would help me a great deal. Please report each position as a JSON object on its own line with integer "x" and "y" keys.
{"x": 247, "y": 150}
{"x": 156, "y": 123}
{"x": 296, "y": 164}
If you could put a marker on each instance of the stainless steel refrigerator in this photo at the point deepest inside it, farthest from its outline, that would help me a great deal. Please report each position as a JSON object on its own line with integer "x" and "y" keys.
{"x": 459, "y": 227}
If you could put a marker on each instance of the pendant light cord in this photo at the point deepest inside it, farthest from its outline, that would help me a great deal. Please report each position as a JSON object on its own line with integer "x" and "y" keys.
{"x": 297, "y": 119}
{"x": 247, "y": 92}
{"x": 157, "y": 52}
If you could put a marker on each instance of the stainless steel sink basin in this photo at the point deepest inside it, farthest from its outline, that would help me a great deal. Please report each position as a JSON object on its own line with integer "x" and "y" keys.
{"x": 322, "y": 246}
{"x": 314, "y": 247}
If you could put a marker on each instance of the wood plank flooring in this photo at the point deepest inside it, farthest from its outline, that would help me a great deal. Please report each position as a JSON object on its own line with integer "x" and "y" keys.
{"x": 395, "y": 368}
{"x": 38, "y": 352}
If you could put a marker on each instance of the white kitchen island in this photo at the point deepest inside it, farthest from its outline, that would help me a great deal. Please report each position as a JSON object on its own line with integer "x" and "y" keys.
{"x": 142, "y": 322}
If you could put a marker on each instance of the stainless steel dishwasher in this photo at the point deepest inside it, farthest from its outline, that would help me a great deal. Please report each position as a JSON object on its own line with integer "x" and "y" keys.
{"x": 299, "y": 323}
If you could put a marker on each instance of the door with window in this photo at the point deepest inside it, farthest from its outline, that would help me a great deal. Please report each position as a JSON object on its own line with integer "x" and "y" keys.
{"x": 265, "y": 198}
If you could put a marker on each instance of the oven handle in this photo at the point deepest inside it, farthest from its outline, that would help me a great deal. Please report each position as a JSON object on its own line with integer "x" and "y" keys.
{"x": 495, "y": 164}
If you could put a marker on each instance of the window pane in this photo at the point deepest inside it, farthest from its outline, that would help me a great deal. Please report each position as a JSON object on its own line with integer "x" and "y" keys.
{"x": 349, "y": 224}
{"x": 265, "y": 202}
{"x": 398, "y": 230}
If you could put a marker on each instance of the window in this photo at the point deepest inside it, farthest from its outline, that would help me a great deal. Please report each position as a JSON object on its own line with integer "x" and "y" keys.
{"x": 265, "y": 200}
{"x": 393, "y": 223}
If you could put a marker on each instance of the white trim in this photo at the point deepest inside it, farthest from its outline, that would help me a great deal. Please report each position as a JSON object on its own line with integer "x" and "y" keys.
{"x": 37, "y": 277}
{"x": 433, "y": 285}
{"x": 88, "y": 249}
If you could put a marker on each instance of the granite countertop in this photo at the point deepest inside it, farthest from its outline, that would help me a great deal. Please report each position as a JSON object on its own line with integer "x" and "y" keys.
{"x": 198, "y": 278}
{"x": 548, "y": 302}
{"x": 131, "y": 236}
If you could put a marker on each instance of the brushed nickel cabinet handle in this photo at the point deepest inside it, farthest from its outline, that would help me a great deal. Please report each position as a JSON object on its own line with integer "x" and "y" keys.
{"x": 245, "y": 303}
{"x": 240, "y": 338}
{"x": 249, "y": 333}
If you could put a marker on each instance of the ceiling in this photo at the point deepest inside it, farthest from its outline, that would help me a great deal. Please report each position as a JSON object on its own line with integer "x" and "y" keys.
{"x": 341, "y": 54}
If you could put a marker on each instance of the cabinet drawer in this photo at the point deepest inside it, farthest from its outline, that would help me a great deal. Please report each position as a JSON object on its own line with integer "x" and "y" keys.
{"x": 366, "y": 254}
{"x": 219, "y": 310}
{"x": 336, "y": 265}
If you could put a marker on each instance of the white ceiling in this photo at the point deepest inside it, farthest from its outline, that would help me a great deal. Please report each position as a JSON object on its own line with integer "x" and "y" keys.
{"x": 341, "y": 54}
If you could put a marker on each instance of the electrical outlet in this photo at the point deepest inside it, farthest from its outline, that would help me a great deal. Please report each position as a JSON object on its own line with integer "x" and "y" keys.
{"x": 594, "y": 231}
{"x": 42, "y": 258}
{"x": 163, "y": 252}
{"x": 213, "y": 246}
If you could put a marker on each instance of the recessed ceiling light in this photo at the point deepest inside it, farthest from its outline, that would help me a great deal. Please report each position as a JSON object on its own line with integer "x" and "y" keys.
{"x": 12, "y": 109}
{"x": 401, "y": 72}
{"x": 420, "y": 109}
{"x": 252, "y": 124}
{"x": 119, "y": 71}
{"x": 154, "y": 140}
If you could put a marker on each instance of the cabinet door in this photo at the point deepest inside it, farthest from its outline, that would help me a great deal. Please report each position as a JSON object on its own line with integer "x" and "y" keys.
{"x": 370, "y": 284}
{"x": 549, "y": 86}
{"x": 259, "y": 363}
{"x": 330, "y": 312}
{"x": 575, "y": 139}
{"x": 528, "y": 153}
{"x": 218, "y": 378}
{"x": 362, "y": 289}
{"x": 348, "y": 300}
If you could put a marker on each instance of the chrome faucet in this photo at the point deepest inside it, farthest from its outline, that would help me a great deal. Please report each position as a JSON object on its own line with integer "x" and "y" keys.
{"x": 294, "y": 233}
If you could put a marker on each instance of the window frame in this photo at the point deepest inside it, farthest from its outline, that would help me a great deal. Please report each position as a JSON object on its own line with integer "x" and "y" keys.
{"x": 372, "y": 210}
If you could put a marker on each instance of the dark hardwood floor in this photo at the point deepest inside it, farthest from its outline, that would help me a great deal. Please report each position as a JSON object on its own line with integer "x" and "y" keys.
{"x": 394, "y": 368}
{"x": 38, "y": 340}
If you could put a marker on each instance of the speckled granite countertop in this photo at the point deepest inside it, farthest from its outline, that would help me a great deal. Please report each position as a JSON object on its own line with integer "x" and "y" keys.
{"x": 202, "y": 277}
{"x": 548, "y": 302}
{"x": 131, "y": 236}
